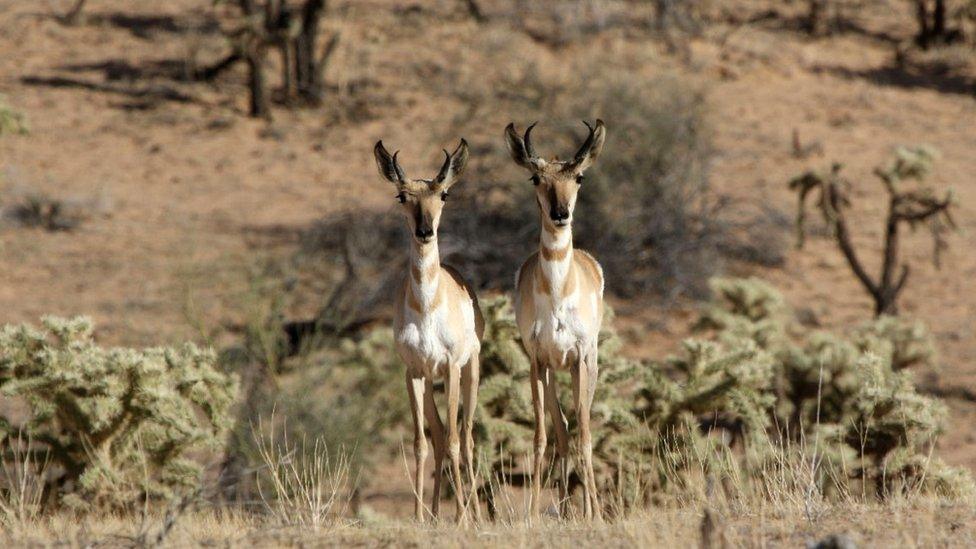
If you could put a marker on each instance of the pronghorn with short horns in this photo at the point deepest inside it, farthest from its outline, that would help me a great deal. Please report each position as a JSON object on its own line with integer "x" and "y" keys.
{"x": 438, "y": 328}
{"x": 559, "y": 309}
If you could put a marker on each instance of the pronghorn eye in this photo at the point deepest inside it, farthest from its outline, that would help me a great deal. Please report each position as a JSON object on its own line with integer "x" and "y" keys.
{"x": 535, "y": 180}
{"x": 579, "y": 179}
{"x": 444, "y": 196}
{"x": 401, "y": 197}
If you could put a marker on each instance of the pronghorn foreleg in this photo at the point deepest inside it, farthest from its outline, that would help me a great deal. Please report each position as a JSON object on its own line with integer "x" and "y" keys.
{"x": 453, "y": 437}
{"x": 437, "y": 438}
{"x": 539, "y": 447}
{"x": 592, "y": 374}
{"x": 561, "y": 427}
{"x": 582, "y": 401}
{"x": 415, "y": 389}
{"x": 469, "y": 393}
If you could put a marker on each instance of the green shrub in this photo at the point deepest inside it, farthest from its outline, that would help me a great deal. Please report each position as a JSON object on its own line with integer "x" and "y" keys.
{"x": 120, "y": 425}
{"x": 12, "y": 121}
{"x": 754, "y": 397}
{"x": 858, "y": 391}
{"x": 655, "y": 423}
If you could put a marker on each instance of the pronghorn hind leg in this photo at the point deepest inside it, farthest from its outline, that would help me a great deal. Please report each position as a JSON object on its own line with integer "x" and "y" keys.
{"x": 539, "y": 448}
{"x": 453, "y": 437}
{"x": 437, "y": 438}
{"x": 415, "y": 389}
{"x": 561, "y": 428}
{"x": 470, "y": 379}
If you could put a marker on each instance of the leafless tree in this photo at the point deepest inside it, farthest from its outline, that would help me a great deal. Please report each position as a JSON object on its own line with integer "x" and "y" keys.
{"x": 294, "y": 33}
{"x": 905, "y": 207}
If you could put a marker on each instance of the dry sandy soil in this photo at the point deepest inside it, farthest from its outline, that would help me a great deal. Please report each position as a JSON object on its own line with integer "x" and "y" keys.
{"x": 919, "y": 525}
{"x": 183, "y": 193}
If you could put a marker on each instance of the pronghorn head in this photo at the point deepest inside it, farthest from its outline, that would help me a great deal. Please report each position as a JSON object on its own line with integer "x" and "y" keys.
{"x": 557, "y": 182}
{"x": 422, "y": 199}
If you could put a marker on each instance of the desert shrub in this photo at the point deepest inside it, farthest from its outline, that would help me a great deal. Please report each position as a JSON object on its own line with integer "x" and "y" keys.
{"x": 753, "y": 391}
{"x": 345, "y": 397}
{"x": 857, "y": 392}
{"x": 46, "y": 212}
{"x": 646, "y": 210}
{"x": 12, "y": 122}
{"x": 351, "y": 397}
{"x": 120, "y": 425}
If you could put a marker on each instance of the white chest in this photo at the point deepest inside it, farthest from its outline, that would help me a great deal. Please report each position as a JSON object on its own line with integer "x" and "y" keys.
{"x": 428, "y": 342}
{"x": 559, "y": 328}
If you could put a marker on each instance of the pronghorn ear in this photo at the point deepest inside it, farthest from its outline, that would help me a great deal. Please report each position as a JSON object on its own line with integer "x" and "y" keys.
{"x": 454, "y": 164}
{"x": 388, "y": 165}
{"x": 517, "y": 147}
{"x": 590, "y": 150}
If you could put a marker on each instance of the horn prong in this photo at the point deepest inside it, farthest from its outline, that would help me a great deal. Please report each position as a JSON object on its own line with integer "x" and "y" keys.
{"x": 528, "y": 141}
{"x": 396, "y": 166}
{"x": 442, "y": 175}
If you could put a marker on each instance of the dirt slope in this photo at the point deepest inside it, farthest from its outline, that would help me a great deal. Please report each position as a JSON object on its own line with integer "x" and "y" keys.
{"x": 182, "y": 192}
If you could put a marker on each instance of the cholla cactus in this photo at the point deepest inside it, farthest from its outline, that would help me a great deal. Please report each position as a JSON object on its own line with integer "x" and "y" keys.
{"x": 119, "y": 424}
{"x": 891, "y": 425}
{"x": 748, "y": 392}
{"x": 745, "y": 308}
{"x": 858, "y": 392}
{"x": 902, "y": 343}
{"x": 906, "y": 206}
{"x": 645, "y": 413}
{"x": 505, "y": 420}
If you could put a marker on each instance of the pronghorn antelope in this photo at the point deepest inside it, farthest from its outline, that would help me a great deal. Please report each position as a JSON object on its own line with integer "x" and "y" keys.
{"x": 559, "y": 309}
{"x": 438, "y": 328}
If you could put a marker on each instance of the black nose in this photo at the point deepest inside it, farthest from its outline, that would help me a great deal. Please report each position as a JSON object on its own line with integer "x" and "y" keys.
{"x": 424, "y": 232}
{"x": 559, "y": 213}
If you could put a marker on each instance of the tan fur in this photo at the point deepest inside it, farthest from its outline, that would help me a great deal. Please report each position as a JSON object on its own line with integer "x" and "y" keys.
{"x": 438, "y": 328}
{"x": 585, "y": 272}
{"x": 559, "y": 309}
{"x": 557, "y": 254}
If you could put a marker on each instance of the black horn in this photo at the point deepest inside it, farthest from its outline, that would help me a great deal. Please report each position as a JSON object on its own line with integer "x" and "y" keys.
{"x": 397, "y": 168}
{"x": 528, "y": 141}
{"x": 587, "y": 145}
{"x": 388, "y": 165}
{"x": 445, "y": 169}
{"x": 591, "y": 148}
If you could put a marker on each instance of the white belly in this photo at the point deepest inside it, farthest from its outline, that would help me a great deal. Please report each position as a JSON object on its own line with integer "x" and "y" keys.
{"x": 559, "y": 332}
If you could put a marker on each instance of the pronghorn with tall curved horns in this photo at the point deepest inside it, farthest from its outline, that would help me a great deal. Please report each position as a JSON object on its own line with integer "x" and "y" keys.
{"x": 559, "y": 309}
{"x": 438, "y": 328}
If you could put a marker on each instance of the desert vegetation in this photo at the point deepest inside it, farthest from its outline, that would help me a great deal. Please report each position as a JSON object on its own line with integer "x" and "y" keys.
{"x": 189, "y": 187}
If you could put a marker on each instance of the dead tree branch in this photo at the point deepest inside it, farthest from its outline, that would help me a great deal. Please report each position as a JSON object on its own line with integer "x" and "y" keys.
{"x": 905, "y": 207}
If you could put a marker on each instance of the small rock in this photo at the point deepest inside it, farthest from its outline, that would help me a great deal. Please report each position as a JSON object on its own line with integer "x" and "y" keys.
{"x": 833, "y": 541}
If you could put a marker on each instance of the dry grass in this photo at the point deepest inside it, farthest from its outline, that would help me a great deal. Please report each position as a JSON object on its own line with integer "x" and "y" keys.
{"x": 917, "y": 524}
{"x": 22, "y": 481}
{"x": 304, "y": 484}
{"x": 307, "y": 504}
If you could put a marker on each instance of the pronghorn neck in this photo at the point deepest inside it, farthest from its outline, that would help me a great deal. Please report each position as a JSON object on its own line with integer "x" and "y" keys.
{"x": 425, "y": 268}
{"x": 556, "y": 259}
